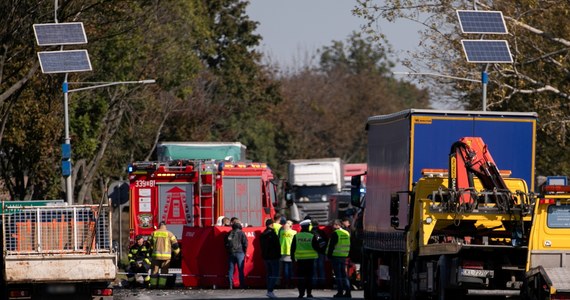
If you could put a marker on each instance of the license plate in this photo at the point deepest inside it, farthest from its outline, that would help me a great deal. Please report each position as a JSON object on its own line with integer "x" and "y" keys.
{"x": 60, "y": 289}
{"x": 477, "y": 273}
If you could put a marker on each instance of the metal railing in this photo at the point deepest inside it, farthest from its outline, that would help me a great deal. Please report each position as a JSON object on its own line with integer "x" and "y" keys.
{"x": 80, "y": 229}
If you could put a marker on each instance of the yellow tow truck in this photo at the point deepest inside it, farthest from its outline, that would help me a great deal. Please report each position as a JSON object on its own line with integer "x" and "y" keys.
{"x": 548, "y": 263}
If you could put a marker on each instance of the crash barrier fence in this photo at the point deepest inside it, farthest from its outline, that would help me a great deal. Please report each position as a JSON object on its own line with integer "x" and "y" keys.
{"x": 56, "y": 230}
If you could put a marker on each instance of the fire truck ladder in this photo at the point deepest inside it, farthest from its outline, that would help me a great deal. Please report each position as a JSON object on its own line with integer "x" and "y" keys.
{"x": 206, "y": 183}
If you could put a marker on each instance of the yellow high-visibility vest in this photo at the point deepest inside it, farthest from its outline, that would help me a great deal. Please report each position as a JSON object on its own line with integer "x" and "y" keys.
{"x": 342, "y": 247}
{"x": 285, "y": 239}
{"x": 304, "y": 246}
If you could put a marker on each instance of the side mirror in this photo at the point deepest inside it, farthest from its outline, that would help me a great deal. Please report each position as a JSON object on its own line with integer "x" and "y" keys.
{"x": 289, "y": 197}
{"x": 394, "y": 205}
{"x": 355, "y": 191}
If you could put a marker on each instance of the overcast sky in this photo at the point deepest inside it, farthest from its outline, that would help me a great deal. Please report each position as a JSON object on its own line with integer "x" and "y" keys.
{"x": 294, "y": 29}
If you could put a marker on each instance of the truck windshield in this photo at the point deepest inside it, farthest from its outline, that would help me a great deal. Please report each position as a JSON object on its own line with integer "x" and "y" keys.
{"x": 313, "y": 193}
{"x": 558, "y": 216}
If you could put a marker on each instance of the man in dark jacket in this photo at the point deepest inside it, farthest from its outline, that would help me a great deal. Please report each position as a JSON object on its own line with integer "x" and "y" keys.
{"x": 319, "y": 267}
{"x": 270, "y": 252}
{"x": 236, "y": 244}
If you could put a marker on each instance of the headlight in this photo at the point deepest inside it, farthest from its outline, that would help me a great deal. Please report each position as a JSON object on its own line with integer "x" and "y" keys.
{"x": 324, "y": 198}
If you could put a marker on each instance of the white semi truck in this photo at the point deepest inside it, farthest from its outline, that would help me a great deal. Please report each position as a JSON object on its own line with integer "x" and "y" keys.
{"x": 310, "y": 183}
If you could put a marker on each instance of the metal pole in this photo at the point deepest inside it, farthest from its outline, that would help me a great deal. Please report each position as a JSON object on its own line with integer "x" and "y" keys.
{"x": 67, "y": 140}
{"x": 55, "y": 11}
{"x": 484, "y": 81}
{"x": 66, "y": 147}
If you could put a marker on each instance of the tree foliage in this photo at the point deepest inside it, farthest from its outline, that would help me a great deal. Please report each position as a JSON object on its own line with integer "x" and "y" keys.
{"x": 325, "y": 108}
{"x": 537, "y": 80}
{"x": 210, "y": 86}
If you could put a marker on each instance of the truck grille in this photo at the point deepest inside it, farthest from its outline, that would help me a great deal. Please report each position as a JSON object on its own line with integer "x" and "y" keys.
{"x": 318, "y": 211}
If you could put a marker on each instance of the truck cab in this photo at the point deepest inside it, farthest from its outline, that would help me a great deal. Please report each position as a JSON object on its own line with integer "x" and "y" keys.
{"x": 309, "y": 185}
{"x": 548, "y": 264}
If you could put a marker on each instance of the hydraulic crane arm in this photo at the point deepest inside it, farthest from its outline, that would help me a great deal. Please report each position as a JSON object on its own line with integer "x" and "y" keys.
{"x": 469, "y": 156}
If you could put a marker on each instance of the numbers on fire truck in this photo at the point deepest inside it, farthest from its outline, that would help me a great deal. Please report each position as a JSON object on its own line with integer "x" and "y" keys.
{"x": 145, "y": 183}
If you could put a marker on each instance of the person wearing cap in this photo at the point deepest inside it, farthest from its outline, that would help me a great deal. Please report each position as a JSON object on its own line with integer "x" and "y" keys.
{"x": 163, "y": 243}
{"x": 139, "y": 261}
{"x": 304, "y": 251}
{"x": 270, "y": 252}
{"x": 337, "y": 252}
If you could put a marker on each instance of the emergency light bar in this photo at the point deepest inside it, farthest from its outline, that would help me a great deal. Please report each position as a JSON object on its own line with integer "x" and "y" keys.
{"x": 245, "y": 165}
{"x": 142, "y": 166}
{"x": 445, "y": 173}
{"x": 556, "y": 189}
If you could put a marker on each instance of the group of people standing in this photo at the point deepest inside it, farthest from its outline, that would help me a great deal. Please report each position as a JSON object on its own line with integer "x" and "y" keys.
{"x": 281, "y": 246}
{"x": 154, "y": 254}
{"x": 308, "y": 249}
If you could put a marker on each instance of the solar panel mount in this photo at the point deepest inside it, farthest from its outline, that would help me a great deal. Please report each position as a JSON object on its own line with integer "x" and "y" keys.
{"x": 482, "y": 22}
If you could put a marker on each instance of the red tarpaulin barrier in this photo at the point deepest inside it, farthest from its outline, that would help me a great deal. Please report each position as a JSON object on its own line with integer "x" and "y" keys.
{"x": 205, "y": 259}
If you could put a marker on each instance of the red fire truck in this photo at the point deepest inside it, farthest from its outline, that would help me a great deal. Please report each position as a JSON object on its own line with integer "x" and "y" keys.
{"x": 196, "y": 193}
{"x": 190, "y": 195}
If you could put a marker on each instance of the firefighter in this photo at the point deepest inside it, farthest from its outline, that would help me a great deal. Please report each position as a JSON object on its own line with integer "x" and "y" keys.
{"x": 304, "y": 252}
{"x": 163, "y": 243}
{"x": 337, "y": 252}
{"x": 139, "y": 260}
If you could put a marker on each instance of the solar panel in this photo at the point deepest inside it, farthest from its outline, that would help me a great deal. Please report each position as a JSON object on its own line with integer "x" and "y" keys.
{"x": 64, "y": 61}
{"x": 487, "y": 51}
{"x": 477, "y": 21}
{"x": 60, "y": 34}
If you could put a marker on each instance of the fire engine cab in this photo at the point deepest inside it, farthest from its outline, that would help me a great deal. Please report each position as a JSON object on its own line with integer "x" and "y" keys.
{"x": 197, "y": 193}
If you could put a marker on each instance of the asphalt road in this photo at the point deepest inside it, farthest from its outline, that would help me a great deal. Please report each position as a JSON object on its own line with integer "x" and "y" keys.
{"x": 186, "y": 293}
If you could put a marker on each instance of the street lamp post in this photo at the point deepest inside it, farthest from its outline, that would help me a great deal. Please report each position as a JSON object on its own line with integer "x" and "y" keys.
{"x": 66, "y": 61}
{"x": 66, "y": 147}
